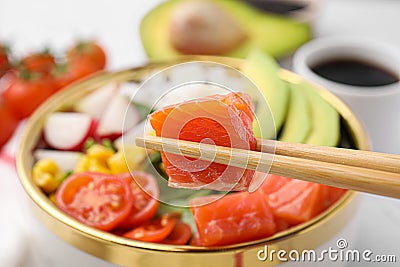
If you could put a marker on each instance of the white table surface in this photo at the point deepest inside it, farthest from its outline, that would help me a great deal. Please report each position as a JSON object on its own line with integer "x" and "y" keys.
{"x": 28, "y": 25}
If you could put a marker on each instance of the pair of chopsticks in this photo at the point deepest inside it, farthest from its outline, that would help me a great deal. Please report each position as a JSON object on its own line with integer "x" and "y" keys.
{"x": 364, "y": 171}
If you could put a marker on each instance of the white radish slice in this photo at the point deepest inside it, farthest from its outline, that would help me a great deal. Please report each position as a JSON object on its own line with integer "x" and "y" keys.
{"x": 129, "y": 89}
{"x": 68, "y": 130}
{"x": 65, "y": 160}
{"x": 119, "y": 117}
{"x": 128, "y": 138}
{"x": 94, "y": 103}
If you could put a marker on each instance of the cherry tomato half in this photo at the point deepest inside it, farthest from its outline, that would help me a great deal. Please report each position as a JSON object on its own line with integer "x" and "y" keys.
{"x": 145, "y": 194}
{"x": 180, "y": 235}
{"x": 155, "y": 230}
{"x": 98, "y": 200}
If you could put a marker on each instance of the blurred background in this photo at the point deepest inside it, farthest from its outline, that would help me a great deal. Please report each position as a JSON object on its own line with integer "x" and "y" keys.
{"x": 32, "y": 25}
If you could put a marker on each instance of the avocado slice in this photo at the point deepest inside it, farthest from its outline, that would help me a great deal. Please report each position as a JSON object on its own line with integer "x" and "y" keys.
{"x": 263, "y": 71}
{"x": 298, "y": 122}
{"x": 274, "y": 34}
{"x": 325, "y": 120}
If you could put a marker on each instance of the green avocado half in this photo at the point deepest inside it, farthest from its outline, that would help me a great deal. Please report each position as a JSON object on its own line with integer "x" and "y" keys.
{"x": 274, "y": 34}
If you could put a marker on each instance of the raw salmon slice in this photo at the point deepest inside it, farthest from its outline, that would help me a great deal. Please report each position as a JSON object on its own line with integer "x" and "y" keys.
{"x": 232, "y": 219}
{"x": 298, "y": 201}
{"x": 224, "y": 120}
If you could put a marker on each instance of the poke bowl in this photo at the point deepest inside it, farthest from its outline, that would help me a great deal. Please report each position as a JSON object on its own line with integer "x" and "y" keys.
{"x": 320, "y": 230}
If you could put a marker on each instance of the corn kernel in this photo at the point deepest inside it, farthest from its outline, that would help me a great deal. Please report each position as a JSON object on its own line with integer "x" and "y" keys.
{"x": 99, "y": 152}
{"x": 46, "y": 165}
{"x": 117, "y": 163}
{"x": 96, "y": 165}
{"x": 131, "y": 157}
{"x": 95, "y": 160}
{"x": 46, "y": 175}
{"x": 82, "y": 165}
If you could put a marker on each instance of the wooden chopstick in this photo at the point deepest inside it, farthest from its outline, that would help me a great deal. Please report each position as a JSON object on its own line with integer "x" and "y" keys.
{"x": 331, "y": 166}
{"x": 351, "y": 157}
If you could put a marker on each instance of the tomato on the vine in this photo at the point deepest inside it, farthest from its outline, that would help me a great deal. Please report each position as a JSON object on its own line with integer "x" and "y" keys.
{"x": 43, "y": 62}
{"x": 4, "y": 60}
{"x": 26, "y": 91}
{"x": 72, "y": 71}
{"x": 8, "y": 123}
{"x": 90, "y": 51}
{"x": 98, "y": 200}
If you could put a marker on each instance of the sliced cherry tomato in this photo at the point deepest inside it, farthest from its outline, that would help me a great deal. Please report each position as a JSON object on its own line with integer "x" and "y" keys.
{"x": 8, "y": 123}
{"x": 232, "y": 219}
{"x": 26, "y": 92}
{"x": 98, "y": 200}
{"x": 180, "y": 235}
{"x": 155, "y": 230}
{"x": 88, "y": 50}
{"x": 4, "y": 60}
{"x": 145, "y": 194}
{"x": 43, "y": 62}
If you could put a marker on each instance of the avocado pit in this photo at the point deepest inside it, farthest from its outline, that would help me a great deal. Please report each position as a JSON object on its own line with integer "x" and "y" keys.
{"x": 202, "y": 27}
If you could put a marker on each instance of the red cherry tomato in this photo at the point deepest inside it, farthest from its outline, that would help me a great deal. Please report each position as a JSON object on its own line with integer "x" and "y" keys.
{"x": 4, "y": 60}
{"x": 73, "y": 71}
{"x": 155, "y": 230}
{"x": 98, "y": 200}
{"x": 82, "y": 60}
{"x": 26, "y": 92}
{"x": 180, "y": 235}
{"x": 145, "y": 194}
{"x": 39, "y": 62}
{"x": 8, "y": 123}
{"x": 88, "y": 50}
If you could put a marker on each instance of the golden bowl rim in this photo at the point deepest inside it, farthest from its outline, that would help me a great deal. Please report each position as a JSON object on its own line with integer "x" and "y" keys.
{"x": 53, "y": 104}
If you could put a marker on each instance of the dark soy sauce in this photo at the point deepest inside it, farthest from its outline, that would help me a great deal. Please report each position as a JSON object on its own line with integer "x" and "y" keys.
{"x": 355, "y": 72}
{"x": 276, "y": 6}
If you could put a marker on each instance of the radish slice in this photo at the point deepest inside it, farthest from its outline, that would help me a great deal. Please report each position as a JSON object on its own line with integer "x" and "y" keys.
{"x": 68, "y": 130}
{"x": 94, "y": 103}
{"x": 128, "y": 138}
{"x": 119, "y": 117}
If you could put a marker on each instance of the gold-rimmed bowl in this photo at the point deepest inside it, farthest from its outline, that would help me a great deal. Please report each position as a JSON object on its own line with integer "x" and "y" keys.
{"x": 121, "y": 251}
